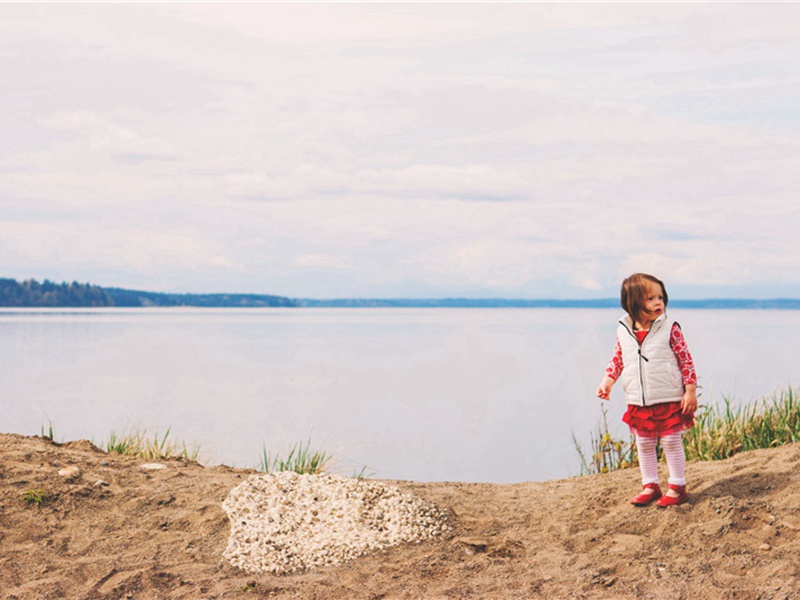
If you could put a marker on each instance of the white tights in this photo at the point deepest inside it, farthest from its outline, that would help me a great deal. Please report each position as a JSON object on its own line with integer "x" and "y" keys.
{"x": 673, "y": 452}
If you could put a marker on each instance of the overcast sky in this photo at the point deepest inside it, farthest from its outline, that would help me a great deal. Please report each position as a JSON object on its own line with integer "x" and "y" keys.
{"x": 402, "y": 150}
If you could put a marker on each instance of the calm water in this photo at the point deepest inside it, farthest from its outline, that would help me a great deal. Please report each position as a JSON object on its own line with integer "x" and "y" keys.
{"x": 426, "y": 394}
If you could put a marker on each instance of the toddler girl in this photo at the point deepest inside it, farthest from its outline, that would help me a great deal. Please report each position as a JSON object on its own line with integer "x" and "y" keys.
{"x": 660, "y": 385}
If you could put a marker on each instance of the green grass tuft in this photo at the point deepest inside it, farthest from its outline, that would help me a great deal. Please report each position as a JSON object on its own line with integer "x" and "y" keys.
{"x": 138, "y": 444}
{"x": 362, "y": 473}
{"x": 300, "y": 459}
{"x": 47, "y": 433}
{"x": 608, "y": 453}
{"x": 35, "y": 497}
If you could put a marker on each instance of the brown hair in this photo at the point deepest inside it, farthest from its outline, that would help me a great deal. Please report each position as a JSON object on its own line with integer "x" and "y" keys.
{"x": 634, "y": 293}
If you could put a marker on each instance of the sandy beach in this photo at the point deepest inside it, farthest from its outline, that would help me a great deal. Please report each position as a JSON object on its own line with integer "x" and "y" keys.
{"x": 112, "y": 529}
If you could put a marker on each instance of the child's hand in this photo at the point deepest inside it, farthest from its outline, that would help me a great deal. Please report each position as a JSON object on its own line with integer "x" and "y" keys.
{"x": 604, "y": 389}
{"x": 689, "y": 400}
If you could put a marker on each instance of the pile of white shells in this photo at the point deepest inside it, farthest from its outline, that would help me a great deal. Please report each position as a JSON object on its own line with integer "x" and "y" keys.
{"x": 284, "y": 522}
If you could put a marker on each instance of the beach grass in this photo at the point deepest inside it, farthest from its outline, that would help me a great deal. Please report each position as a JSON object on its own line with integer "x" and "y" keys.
{"x": 48, "y": 433}
{"x": 138, "y": 444}
{"x": 720, "y": 431}
{"x": 723, "y": 430}
{"x": 301, "y": 459}
{"x": 607, "y": 452}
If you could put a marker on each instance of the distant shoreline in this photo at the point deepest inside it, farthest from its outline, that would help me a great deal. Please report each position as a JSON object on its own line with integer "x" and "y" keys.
{"x": 47, "y": 294}
{"x": 739, "y": 303}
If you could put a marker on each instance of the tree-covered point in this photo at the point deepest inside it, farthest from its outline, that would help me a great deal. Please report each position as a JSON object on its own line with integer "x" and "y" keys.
{"x": 50, "y": 294}
{"x": 31, "y": 293}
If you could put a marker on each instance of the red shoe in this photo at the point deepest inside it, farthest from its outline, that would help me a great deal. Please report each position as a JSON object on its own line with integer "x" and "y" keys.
{"x": 644, "y": 498}
{"x": 679, "y": 499}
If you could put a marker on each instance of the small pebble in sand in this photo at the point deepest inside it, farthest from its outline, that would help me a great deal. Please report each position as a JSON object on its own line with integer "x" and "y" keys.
{"x": 152, "y": 466}
{"x": 284, "y": 522}
{"x": 70, "y": 472}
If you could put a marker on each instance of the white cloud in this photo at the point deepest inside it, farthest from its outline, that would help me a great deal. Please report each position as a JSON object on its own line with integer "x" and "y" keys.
{"x": 479, "y": 181}
{"x": 225, "y": 263}
{"x": 302, "y": 181}
{"x": 510, "y": 149}
{"x": 103, "y": 136}
{"x": 324, "y": 261}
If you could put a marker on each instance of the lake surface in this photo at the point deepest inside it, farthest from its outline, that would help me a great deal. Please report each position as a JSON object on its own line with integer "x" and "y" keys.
{"x": 488, "y": 395}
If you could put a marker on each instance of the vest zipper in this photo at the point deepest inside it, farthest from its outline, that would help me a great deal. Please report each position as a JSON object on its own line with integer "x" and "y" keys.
{"x": 641, "y": 374}
{"x": 641, "y": 357}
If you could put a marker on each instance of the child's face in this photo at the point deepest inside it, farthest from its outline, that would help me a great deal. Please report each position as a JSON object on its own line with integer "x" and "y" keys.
{"x": 653, "y": 303}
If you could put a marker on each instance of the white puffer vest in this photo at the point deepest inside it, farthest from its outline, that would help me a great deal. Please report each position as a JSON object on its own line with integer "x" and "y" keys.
{"x": 651, "y": 374}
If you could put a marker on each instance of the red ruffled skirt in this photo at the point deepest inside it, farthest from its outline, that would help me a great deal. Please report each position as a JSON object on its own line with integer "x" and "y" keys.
{"x": 658, "y": 419}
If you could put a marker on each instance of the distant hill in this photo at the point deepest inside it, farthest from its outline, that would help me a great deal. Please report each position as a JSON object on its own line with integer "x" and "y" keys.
{"x": 31, "y": 293}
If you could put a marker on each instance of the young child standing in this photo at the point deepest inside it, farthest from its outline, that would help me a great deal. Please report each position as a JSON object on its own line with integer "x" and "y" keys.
{"x": 660, "y": 385}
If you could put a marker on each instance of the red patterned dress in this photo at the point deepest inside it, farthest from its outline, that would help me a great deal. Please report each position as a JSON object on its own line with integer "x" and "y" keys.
{"x": 658, "y": 419}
